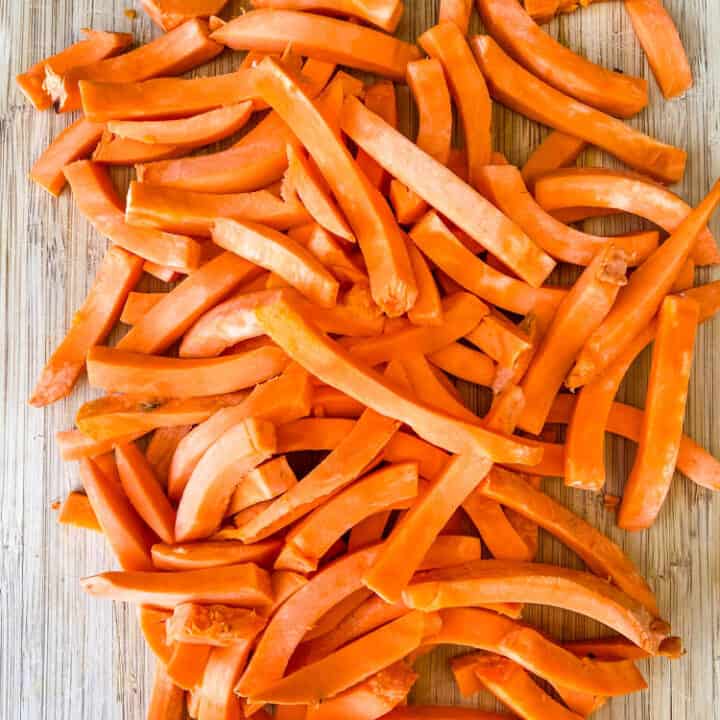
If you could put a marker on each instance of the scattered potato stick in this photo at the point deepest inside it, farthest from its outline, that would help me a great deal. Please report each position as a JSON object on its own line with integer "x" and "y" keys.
{"x": 76, "y": 510}
{"x": 186, "y": 665}
{"x": 114, "y": 150}
{"x": 380, "y": 99}
{"x": 265, "y": 482}
{"x": 152, "y": 625}
{"x": 465, "y": 363}
{"x": 161, "y": 448}
{"x": 557, "y": 150}
{"x": 216, "y": 625}
{"x": 517, "y": 88}
{"x": 138, "y": 304}
{"x": 213, "y": 553}
{"x": 168, "y": 14}
{"x": 167, "y": 700}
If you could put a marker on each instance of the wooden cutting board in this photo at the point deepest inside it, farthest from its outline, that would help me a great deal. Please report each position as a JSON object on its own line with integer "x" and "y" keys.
{"x": 67, "y": 658}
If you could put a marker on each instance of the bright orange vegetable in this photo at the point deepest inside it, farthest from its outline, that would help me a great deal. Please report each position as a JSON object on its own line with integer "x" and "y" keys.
{"x": 76, "y": 510}
{"x": 352, "y": 664}
{"x": 310, "y": 540}
{"x": 281, "y": 400}
{"x": 138, "y": 304}
{"x": 265, "y": 482}
{"x": 118, "y": 274}
{"x": 161, "y": 448}
{"x": 129, "y": 537}
{"x": 114, "y": 150}
{"x": 367, "y": 700}
{"x": 649, "y": 482}
{"x": 557, "y": 150}
{"x": 278, "y": 253}
{"x": 236, "y": 585}
{"x": 75, "y": 445}
{"x": 206, "y": 496}
{"x": 385, "y": 14}
{"x": 287, "y": 627}
{"x": 77, "y": 141}
{"x": 152, "y": 625}
{"x": 517, "y": 88}
{"x": 446, "y": 43}
{"x": 217, "y": 699}
{"x": 97, "y": 200}
{"x": 503, "y": 186}
{"x": 167, "y": 700}
{"x": 216, "y": 625}
{"x": 335, "y": 255}
{"x": 328, "y": 361}
{"x": 178, "y": 51}
{"x": 117, "y": 370}
{"x": 516, "y": 689}
{"x": 183, "y": 305}
{"x": 382, "y": 244}
{"x": 97, "y": 46}
{"x": 530, "y": 649}
{"x": 498, "y": 581}
{"x": 599, "y": 553}
{"x": 642, "y": 296}
{"x": 442, "y": 189}
{"x": 465, "y": 363}
{"x": 604, "y": 191}
{"x": 616, "y": 647}
{"x": 663, "y": 47}
{"x": 440, "y": 712}
{"x": 578, "y": 316}
{"x": 456, "y": 11}
{"x": 168, "y": 14}
{"x": 319, "y": 37}
{"x": 612, "y": 92}
{"x": 186, "y": 665}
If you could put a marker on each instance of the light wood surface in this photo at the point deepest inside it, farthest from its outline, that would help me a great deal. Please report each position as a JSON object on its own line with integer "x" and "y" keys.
{"x": 65, "y": 657}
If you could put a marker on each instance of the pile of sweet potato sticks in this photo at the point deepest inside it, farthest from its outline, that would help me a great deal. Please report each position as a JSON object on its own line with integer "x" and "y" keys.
{"x": 299, "y": 500}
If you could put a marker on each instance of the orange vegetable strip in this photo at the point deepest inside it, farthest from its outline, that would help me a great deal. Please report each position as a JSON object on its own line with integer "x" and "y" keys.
{"x": 213, "y": 553}
{"x": 616, "y": 647}
{"x": 114, "y": 416}
{"x": 161, "y": 448}
{"x": 385, "y": 14}
{"x": 174, "y": 53}
{"x": 290, "y": 712}
{"x": 332, "y": 364}
{"x": 604, "y": 191}
{"x": 441, "y": 712}
{"x": 504, "y": 187}
{"x": 216, "y": 625}
{"x": 281, "y": 400}
{"x": 152, "y": 625}
{"x": 663, "y": 47}
{"x": 183, "y": 305}
{"x": 404, "y": 550}
{"x": 521, "y": 91}
{"x": 195, "y": 105}
{"x": 97, "y": 200}
{"x": 75, "y": 445}
{"x": 238, "y": 585}
{"x": 428, "y": 389}
{"x": 265, "y": 482}
{"x": 168, "y": 14}
{"x": 76, "y": 510}
{"x": 612, "y": 92}
{"x": 557, "y": 150}
{"x": 446, "y": 43}
{"x": 312, "y": 190}
{"x": 75, "y": 142}
{"x": 512, "y": 685}
{"x": 456, "y": 11}
{"x": 350, "y": 665}
{"x": 162, "y": 272}
{"x": 499, "y": 581}
{"x": 441, "y": 246}
{"x": 600, "y": 554}
{"x": 206, "y": 496}
{"x": 659, "y": 444}
{"x": 117, "y": 275}
{"x": 329, "y": 402}
{"x": 97, "y": 46}
{"x": 139, "y": 304}
{"x": 278, "y": 253}
{"x": 332, "y": 253}
{"x": 465, "y": 363}
{"x": 501, "y": 339}
{"x": 319, "y": 37}
{"x": 579, "y": 315}
{"x": 310, "y": 540}
{"x": 383, "y": 245}
{"x": 369, "y": 530}
{"x": 427, "y": 309}
{"x": 686, "y": 277}
{"x": 117, "y": 370}
{"x": 129, "y": 537}
{"x": 642, "y": 296}
{"x": 187, "y": 664}
{"x": 335, "y": 615}
{"x": 290, "y": 623}
{"x": 534, "y": 652}
{"x": 458, "y": 201}
{"x": 461, "y": 313}
{"x": 217, "y": 699}
{"x": 113, "y": 150}
{"x": 353, "y": 454}
{"x": 167, "y": 700}
{"x": 144, "y": 491}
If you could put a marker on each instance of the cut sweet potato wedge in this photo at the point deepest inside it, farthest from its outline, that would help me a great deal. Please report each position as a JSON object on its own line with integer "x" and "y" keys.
{"x": 557, "y": 150}
{"x": 167, "y": 700}
{"x": 216, "y": 625}
{"x": 213, "y": 553}
{"x": 168, "y": 14}
{"x": 263, "y": 483}
{"x": 76, "y": 510}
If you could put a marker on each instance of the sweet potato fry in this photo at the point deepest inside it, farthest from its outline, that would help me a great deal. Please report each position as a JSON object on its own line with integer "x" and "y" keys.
{"x": 384, "y": 14}
{"x": 76, "y": 510}
{"x": 168, "y": 14}
{"x": 167, "y": 700}
{"x": 557, "y": 150}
